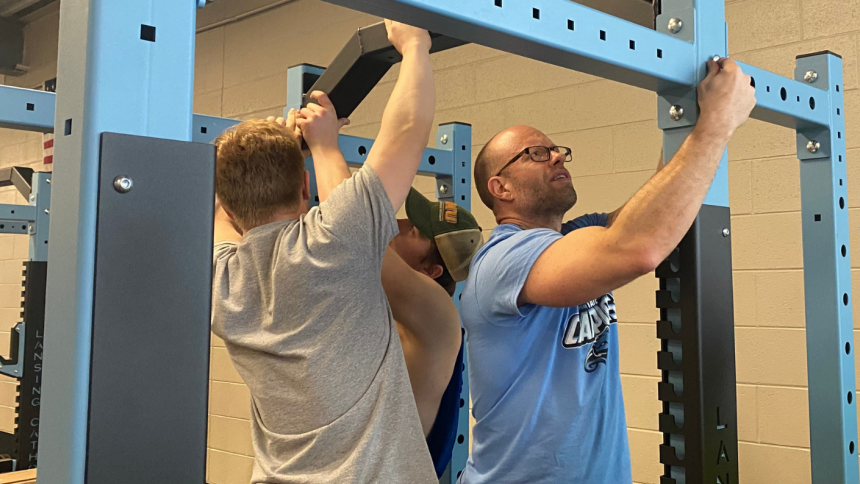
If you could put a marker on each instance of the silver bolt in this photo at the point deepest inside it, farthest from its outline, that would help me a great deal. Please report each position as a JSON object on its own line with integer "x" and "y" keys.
{"x": 444, "y": 139}
{"x": 32, "y": 198}
{"x": 122, "y": 184}
{"x": 676, "y": 112}
{"x": 810, "y": 76}
{"x": 726, "y": 232}
{"x": 443, "y": 189}
{"x": 716, "y": 58}
{"x": 675, "y": 25}
{"x": 813, "y": 146}
{"x": 31, "y": 229}
{"x": 47, "y": 212}
{"x": 48, "y": 180}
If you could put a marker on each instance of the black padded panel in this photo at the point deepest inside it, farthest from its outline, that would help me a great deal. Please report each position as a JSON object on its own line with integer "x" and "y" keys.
{"x": 150, "y": 355}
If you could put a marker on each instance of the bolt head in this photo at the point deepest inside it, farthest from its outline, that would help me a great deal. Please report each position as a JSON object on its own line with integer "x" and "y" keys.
{"x": 813, "y": 146}
{"x": 726, "y": 232}
{"x": 123, "y": 184}
{"x": 443, "y": 189}
{"x": 444, "y": 139}
{"x": 810, "y": 76}
{"x": 675, "y": 25}
{"x": 676, "y": 112}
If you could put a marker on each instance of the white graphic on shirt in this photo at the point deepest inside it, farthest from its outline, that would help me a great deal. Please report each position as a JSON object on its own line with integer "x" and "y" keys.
{"x": 589, "y": 325}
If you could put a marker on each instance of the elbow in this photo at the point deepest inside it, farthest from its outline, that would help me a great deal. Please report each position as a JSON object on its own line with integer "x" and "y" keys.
{"x": 646, "y": 260}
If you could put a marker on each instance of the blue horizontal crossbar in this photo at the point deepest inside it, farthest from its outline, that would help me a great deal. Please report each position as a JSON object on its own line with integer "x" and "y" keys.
{"x": 206, "y": 128}
{"x": 18, "y": 213}
{"x": 787, "y": 102}
{"x": 558, "y": 32}
{"x": 27, "y": 109}
{"x": 433, "y": 161}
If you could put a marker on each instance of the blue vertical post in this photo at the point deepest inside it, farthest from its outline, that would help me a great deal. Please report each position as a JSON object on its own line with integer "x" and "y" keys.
{"x": 696, "y": 327}
{"x": 827, "y": 279}
{"x": 457, "y": 188}
{"x": 126, "y": 67}
{"x": 299, "y": 79}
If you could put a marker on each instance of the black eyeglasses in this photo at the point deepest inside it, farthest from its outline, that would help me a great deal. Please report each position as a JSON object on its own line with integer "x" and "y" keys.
{"x": 539, "y": 154}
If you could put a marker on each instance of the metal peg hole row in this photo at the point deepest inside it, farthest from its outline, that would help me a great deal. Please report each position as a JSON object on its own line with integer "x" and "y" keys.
{"x": 571, "y": 26}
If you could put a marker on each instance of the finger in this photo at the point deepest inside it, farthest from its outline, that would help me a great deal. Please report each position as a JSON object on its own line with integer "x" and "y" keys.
{"x": 342, "y": 122}
{"x": 270, "y": 119}
{"x": 306, "y": 113}
{"x": 713, "y": 69}
{"x": 729, "y": 65}
{"x": 281, "y": 121}
{"x": 291, "y": 119}
{"x": 322, "y": 99}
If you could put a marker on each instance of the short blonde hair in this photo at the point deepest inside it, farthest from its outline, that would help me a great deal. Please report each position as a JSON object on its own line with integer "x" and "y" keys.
{"x": 259, "y": 170}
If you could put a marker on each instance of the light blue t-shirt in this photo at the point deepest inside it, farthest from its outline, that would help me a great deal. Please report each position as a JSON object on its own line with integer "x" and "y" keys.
{"x": 545, "y": 383}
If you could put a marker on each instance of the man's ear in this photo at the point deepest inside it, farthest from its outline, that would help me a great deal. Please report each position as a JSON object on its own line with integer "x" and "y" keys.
{"x": 498, "y": 189}
{"x": 306, "y": 186}
{"x": 432, "y": 270}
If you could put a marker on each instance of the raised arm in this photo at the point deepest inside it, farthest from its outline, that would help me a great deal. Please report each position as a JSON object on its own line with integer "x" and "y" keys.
{"x": 419, "y": 304}
{"x": 319, "y": 125}
{"x": 408, "y": 115}
{"x": 590, "y": 262}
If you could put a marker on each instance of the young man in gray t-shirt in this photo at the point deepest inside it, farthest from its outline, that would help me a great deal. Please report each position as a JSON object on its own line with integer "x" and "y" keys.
{"x": 299, "y": 302}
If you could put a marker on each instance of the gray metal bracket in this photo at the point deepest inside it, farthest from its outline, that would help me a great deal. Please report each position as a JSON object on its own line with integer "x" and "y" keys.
{"x": 14, "y": 365}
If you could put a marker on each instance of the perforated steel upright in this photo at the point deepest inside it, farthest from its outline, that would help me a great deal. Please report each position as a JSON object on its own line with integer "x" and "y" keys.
{"x": 124, "y": 67}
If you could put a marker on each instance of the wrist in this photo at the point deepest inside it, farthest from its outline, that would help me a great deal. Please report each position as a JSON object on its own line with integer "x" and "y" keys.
{"x": 324, "y": 149}
{"x": 715, "y": 130}
{"x": 415, "y": 47}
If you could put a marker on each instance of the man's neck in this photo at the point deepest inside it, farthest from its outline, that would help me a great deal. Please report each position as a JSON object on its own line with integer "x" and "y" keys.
{"x": 282, "y": 215}
{"x": 530, "y": 222}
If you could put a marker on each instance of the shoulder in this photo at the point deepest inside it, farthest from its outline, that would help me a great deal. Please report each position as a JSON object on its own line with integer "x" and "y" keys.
{"x": 511, "y": 241}
{"x": 224, "y": 249}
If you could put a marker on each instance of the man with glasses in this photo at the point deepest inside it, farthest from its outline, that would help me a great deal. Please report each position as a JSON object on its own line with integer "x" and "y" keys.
{"x": 538, "y": 308}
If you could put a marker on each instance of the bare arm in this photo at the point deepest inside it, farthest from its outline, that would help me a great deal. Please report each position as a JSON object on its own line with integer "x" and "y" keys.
{"x": 408, "y": 115}
{"x": 610, "y": 219}
{"x": 419, "y": 304}
{"x": 590, "y": 262}
{"x": 319, "y": 125}
{"x": 429, "y": 330}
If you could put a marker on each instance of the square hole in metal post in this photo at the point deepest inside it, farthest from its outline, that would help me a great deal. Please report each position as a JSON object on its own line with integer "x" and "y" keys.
{"x": 147, "y": 33}
{"x": 632, "y": 45}
{"x": 659, "y": 53}
{"x": 818, "y": 217}
{"x": 536, "y": 13}
{"x": 31, "y": 107}
{"x": 602, "y": 35}
{"x": 569, "y": 24}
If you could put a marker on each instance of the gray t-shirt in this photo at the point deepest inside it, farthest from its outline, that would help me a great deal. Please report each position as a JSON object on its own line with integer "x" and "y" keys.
{"x": 300, "y": 306}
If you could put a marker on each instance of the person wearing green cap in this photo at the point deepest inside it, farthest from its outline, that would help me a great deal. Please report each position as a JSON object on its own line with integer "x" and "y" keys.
{"x": 437, "y": 240}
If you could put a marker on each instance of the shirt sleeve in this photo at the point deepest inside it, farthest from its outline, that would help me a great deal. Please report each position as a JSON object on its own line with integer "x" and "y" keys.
{"x": 359, "y": 212}
{"x": 588, "y": 220}
{"x": 502, "y": 272}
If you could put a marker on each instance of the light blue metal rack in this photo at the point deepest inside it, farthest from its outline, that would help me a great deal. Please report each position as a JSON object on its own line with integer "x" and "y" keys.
{"x": 142, "y": 53}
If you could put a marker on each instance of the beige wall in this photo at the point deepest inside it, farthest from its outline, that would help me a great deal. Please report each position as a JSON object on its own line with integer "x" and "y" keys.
{"x": 241, "y": 72}
{"x": 19, "y": 148}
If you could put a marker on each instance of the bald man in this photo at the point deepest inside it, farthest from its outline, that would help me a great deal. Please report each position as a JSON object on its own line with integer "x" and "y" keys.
{"x": 538, "y": 308}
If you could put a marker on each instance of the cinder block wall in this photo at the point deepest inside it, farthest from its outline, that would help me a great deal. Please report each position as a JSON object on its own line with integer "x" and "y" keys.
{"x": 241, "y": 73}
{"x": 20, "y": 148}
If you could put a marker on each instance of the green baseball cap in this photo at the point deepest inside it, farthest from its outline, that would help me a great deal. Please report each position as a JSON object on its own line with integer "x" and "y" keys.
{"x": 455, "y": 231}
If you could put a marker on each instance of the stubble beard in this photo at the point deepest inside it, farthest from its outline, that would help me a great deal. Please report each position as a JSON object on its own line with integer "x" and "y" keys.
{"x": 543, "y": 202}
